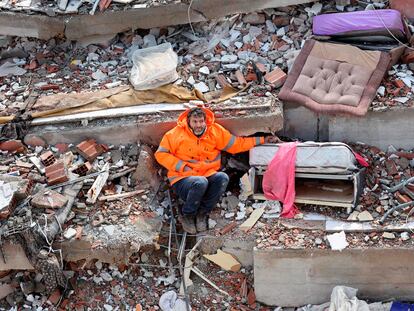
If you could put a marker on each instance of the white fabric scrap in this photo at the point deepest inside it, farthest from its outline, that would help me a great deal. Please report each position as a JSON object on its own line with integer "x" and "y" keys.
{"x": 337, "y": 241}
{"x": 170, "y": 302}
{"x": 344, "y": 299}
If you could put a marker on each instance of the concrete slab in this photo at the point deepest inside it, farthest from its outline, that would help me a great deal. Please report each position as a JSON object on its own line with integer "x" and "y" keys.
{"x": 299, "y": 122}
{"x": 293, "y": 278}
{"x": 35, "y": 26}
{"x": 112, "y": 243}
{"x": 81, "y": 26}
{"x": 381, "y": 129}
{"x": 145, "y": 126}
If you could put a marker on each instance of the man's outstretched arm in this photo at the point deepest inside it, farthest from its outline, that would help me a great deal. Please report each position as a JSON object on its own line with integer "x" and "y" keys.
{"x": 235, "y": 144}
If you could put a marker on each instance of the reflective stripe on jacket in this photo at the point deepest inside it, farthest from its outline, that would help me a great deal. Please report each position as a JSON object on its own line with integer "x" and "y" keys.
{"x": 183, "y": 154}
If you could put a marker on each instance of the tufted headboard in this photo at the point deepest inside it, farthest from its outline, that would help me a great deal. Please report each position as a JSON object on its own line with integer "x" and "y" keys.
{"x": 335, "y": 78}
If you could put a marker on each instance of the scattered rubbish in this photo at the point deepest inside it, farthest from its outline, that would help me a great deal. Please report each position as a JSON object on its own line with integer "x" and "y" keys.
{"x": 153, "y": 67}
{"x": 344, "y": 298}
{"x": 337, "y": 241}
{"x": 169, "y": 301}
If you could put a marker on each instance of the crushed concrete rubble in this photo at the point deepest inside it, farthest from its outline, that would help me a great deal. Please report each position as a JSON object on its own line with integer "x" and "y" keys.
{"x": 70, "y": 7}
{"x": 251, "y": 53}
{"x": 96, "y": 198}
{"x": 31, "y": 202}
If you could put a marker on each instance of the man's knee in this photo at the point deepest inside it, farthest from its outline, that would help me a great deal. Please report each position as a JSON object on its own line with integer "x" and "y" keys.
{"x": 221, "y": 179}
{"x": 200, "y": 182}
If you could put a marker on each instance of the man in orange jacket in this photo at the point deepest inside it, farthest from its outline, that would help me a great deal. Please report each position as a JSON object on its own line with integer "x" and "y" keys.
{"x": 191, "y": 152}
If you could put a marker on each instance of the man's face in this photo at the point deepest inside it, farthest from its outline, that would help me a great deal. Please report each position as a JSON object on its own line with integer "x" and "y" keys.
{"x": 197, "y": 124}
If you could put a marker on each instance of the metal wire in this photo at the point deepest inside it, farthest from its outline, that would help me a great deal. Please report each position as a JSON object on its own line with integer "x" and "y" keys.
{"x": 385, "y": 26}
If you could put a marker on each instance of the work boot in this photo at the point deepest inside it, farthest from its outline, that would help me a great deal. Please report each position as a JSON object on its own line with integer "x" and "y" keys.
{"x": 187, "y": 221}
{"x": 201, "y": 222}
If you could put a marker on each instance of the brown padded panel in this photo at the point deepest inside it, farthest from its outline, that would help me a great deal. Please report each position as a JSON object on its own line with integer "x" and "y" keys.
{"x": 288, "y": 94}
{"x": 328, "y": 81}
{"x": 346, "y": 54}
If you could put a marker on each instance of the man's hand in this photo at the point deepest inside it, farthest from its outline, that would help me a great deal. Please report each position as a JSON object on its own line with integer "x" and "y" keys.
{"x": 272, "y": 140}
{"x": 187, "y": 168}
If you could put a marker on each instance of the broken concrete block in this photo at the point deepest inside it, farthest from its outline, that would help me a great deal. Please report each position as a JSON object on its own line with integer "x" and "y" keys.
{"x": 8, "y": 200}
{"x": 365, "y": 216}
{"x": 23, "y": 187}
{"x": 225, "y": 261}
{"x": 146, "y": 172}
{"x": 49, "y": 199}
{"x": 56, "y": 173}
{"x": 12, "y": 146}
{"x": 276, "y": 77}
{"x": 83, "y": 169}
{"x": 254, "y": 19}
{"x": 62, "y": 4}
{"x": 89, "y": 149}
{"x": 388, "y": 235}
{"x": 47, "y": 158}
{"x": 405, "y": 236}
{"x": 69, "y": 233}
{"x": 353, "y": 216}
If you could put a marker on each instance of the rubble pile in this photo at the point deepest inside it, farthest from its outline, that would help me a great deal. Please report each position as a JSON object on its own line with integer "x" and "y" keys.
{"x": 397, "y": 90}
{"x": 278, "y": 235}
{"x": 389, "y": 181}
{"x": 53, "y": 8}
{"x": 67, "y": 192}
{"x": 251, "y": 53}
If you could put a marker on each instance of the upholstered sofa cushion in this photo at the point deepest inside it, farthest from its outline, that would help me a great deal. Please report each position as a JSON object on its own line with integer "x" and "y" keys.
{"x": 335, "y": 78}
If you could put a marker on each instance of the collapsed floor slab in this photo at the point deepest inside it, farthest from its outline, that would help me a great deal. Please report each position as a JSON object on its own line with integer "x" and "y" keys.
{"x": 293, "y": 278}
{"x": 113, "y": 243}
{"x": 377, "y": 128}
{"x": 84, "y": 26}
{"x": 149, "y": 123}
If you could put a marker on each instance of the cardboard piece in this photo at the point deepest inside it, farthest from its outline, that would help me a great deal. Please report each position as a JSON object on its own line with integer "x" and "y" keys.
{"x": 225, "y": 261}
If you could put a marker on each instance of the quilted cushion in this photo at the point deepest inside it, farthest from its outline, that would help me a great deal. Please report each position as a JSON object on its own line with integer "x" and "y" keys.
{"x": 335, "y": 78}
{"x": 328, "y": 81}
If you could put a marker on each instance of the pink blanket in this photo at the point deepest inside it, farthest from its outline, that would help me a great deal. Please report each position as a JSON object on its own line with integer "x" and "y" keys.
{"x": 279, "y": 179}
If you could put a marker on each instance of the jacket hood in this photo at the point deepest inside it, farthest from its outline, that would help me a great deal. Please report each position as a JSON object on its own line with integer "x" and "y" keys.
{"x": 182, "y": 119}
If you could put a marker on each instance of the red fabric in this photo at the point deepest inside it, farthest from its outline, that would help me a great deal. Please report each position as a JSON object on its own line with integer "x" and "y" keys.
{"x": 360, "y": 159}
{"x": 279, "y": 179}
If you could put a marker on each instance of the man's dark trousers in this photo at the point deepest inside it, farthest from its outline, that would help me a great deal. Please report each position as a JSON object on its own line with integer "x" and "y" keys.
{"x": 201, "y": 194}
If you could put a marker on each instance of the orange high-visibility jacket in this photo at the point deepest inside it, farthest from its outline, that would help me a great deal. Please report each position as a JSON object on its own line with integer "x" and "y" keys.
{"x": 183, "y": 154}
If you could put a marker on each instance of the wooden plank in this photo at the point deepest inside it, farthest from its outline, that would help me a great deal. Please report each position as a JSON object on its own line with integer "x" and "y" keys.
{"x": 97, "y": 186}
{"x": 124, "y": 195}
{"x": 251, "y": 221}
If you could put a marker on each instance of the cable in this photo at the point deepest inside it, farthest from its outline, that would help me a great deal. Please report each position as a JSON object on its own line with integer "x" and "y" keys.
{"x": 385, "y": 26}
{"x": 189, "y": 18}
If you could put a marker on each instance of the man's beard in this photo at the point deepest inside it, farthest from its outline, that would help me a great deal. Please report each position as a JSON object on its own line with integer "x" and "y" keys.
{"x": 199, "y": 132}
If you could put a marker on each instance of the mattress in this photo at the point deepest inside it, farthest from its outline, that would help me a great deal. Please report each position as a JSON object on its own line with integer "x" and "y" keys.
{"x": 359, "y": 23}
{"x": 311, "y": 157}
{"x": 335, "y": 78}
